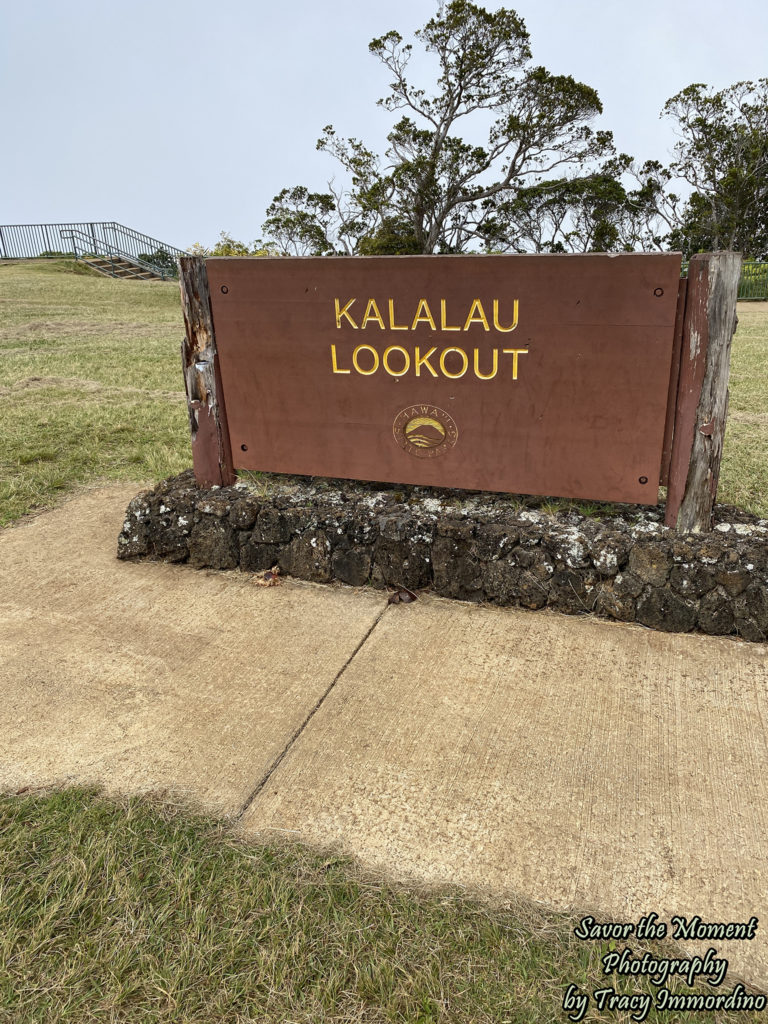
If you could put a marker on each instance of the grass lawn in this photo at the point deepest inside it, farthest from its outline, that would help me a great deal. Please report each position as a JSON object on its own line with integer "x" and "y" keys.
{"x": 133, "y": 912}
{"x": 90, "y": 377}
{"x": 128, "y": 911}
{"x": 744, "y": 472}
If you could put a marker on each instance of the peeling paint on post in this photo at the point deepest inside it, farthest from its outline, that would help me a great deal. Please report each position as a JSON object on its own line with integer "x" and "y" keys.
{"x": 211, "y": 449}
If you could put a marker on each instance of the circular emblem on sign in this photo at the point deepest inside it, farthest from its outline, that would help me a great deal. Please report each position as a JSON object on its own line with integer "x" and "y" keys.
{"x": 425, "y": 431}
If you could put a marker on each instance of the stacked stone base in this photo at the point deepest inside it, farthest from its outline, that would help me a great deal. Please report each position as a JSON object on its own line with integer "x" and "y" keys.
{"x": 483, "y": 548}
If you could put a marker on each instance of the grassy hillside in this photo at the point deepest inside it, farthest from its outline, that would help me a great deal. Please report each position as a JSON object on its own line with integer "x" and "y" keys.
{"x": 90, "y": 376}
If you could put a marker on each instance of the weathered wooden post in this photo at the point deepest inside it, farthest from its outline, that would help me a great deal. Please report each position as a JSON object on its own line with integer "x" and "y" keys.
{"x": 211, "y": 449}
{"x": 702, "y": 395}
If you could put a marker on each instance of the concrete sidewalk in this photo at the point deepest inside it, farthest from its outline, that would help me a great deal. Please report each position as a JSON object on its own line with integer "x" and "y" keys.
{"x": 581, "y": 763}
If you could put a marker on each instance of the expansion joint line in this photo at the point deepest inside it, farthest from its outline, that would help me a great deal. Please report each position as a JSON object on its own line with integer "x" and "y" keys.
{"x": 278, "y": 760}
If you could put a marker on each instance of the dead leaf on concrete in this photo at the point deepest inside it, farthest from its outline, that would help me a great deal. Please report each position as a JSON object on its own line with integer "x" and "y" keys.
{"x": 402, "y": 595}
{"x": 270, "y": 578}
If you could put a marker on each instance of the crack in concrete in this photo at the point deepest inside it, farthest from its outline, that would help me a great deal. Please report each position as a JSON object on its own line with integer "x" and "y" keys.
{"x": 278, "y": 760}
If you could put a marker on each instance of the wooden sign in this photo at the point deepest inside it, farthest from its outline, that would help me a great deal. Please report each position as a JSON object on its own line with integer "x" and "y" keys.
{"x": 549, "y": 375}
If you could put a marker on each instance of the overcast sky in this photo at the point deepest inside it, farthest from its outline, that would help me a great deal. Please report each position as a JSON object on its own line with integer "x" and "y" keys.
{"x": 181, "y": 118}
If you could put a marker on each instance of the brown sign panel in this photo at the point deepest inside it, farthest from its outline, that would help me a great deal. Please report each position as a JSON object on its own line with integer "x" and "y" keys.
{"x": 540, "y": 375}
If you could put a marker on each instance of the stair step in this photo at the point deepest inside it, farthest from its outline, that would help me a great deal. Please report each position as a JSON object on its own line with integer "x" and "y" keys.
{"x": 119, "y": 267}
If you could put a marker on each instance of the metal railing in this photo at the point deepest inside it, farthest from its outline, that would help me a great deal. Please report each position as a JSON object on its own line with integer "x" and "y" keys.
{"x": 753, "y": 283}
{"x": 32, "y": 241}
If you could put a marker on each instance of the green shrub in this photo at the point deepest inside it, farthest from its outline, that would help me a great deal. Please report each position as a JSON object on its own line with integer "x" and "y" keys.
{"x": 161, "y": 259}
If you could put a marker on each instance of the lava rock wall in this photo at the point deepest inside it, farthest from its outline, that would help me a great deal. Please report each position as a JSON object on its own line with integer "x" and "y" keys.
{"x": 474, "y": 547}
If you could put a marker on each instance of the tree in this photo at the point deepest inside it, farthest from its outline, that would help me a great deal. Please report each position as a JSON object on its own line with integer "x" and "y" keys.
{"x": 576, "y": 214}
{"x": 434, "y": 191}
{"x": 299, "y": 221}
{"x": 722, "y": 152}
{"x": 651, "y": 212}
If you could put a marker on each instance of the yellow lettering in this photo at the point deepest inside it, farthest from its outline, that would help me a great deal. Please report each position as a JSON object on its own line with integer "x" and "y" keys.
{"x": 343, "y": 312}
{"x": 496, "y": 323}
{"x": 515, "y": 352}
{"x": 443, "y": 318}
{"x": 406, "y": 363}
{"x": 392, "y": 325}
{"x": 420, "y": 361}
{"x": 465, "y": 362}
{"x": 372, "y": 313}
{"x": 425, "y": 318}
{"x": 480, "y": 318}
{"x": 374, "y": 368}
{"x": 335, "y": 364}
{"x": 492, "y": 374}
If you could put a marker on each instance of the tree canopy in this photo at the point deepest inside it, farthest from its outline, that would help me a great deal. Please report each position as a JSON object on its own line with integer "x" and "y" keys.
{"x": 722, "y": 152}
{"x": 436, "y": 192}
{"x": 541, "y": 178}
